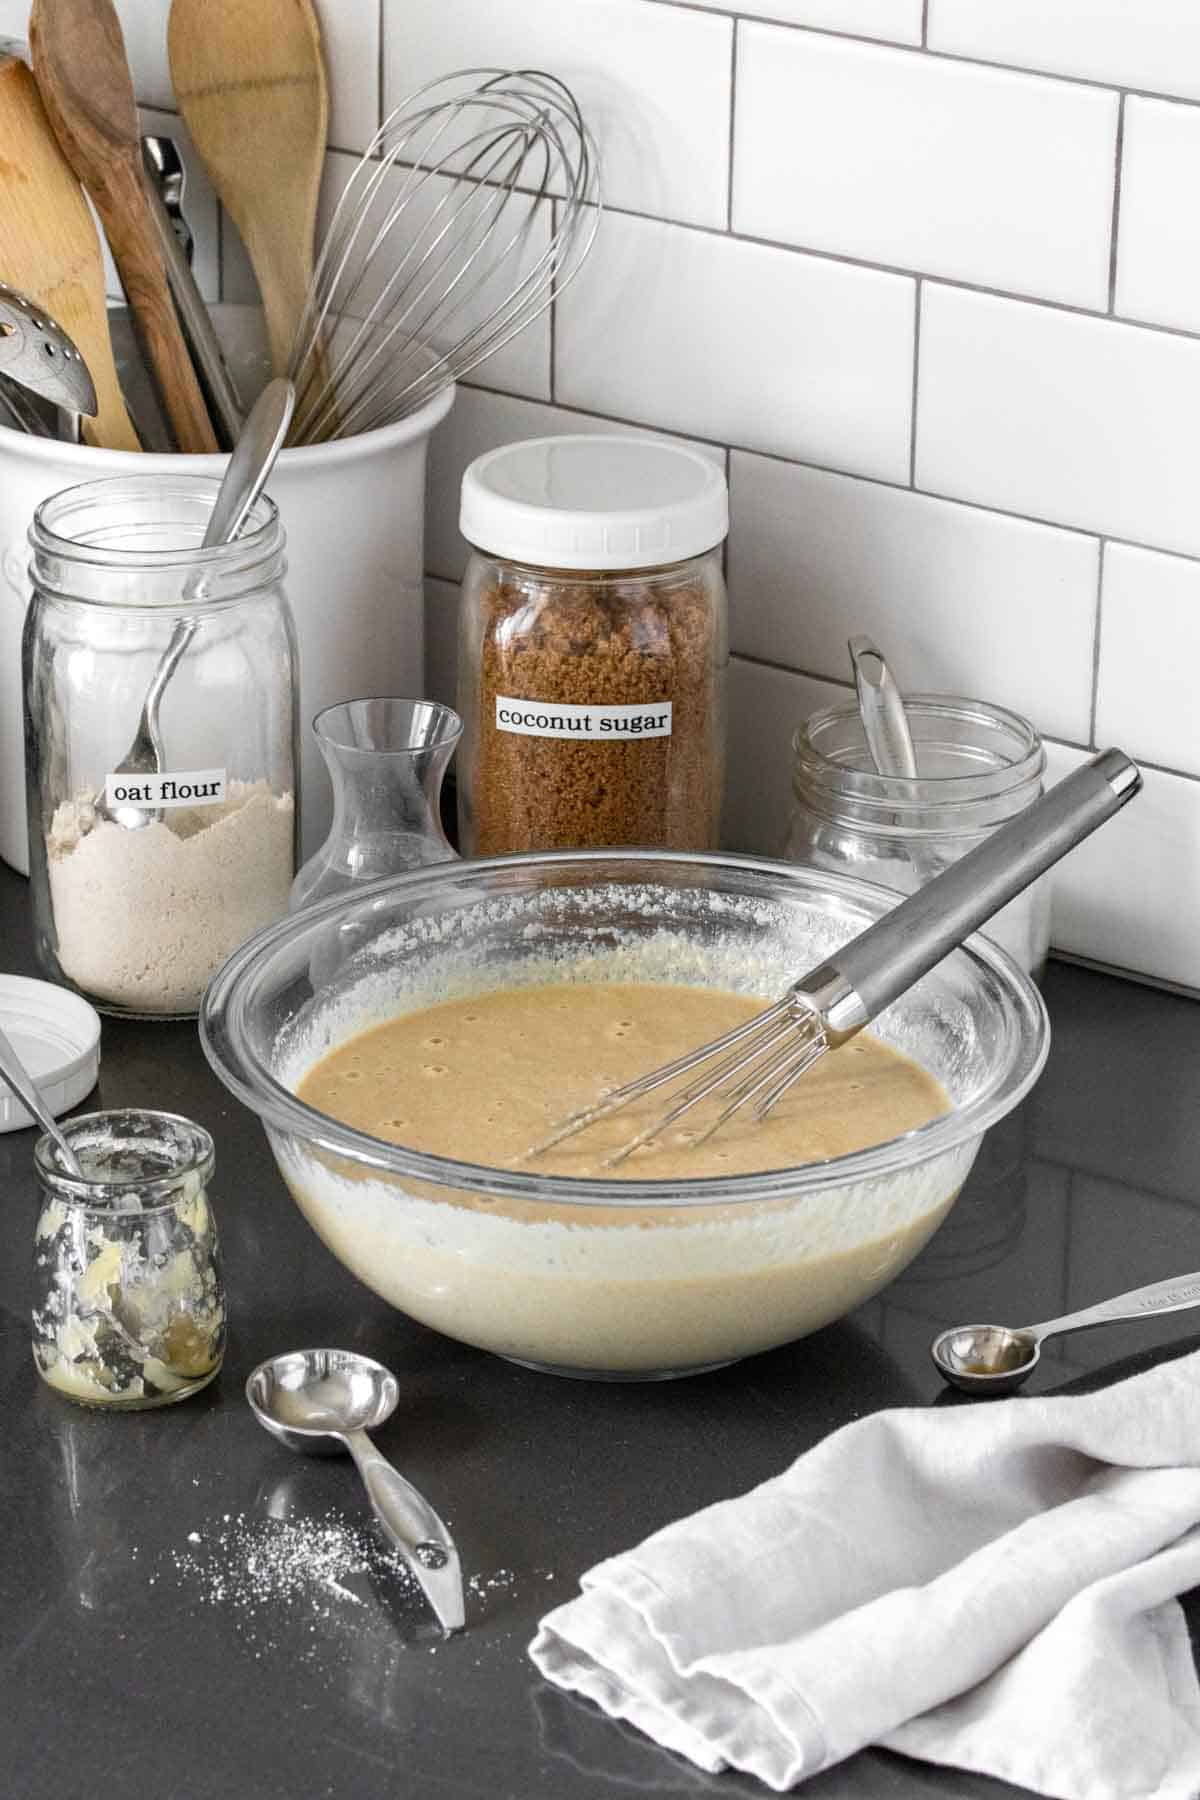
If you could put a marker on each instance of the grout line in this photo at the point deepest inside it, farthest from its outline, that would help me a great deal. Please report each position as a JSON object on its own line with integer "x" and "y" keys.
{"x": 1114, "y": 228}
{"x": 1096, "y": 644}
{"x": 733, "y": 75}
{"x": 552, "y": 327}
{"x": 749, "y": 17}
{"x": 1092, "y": 533}
{"x": 955, "y": 282}
{"x": 916, "y": 371}
{"x": 380, "y": 66}
{"x": 778, "y": 668}
{"x": 925, "y": 4}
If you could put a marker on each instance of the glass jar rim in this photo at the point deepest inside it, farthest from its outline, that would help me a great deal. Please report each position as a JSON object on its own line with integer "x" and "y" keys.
{"x": 923, "y": 792}
{"x": 260, "y": 539}
{"x": 98, "y": 1196}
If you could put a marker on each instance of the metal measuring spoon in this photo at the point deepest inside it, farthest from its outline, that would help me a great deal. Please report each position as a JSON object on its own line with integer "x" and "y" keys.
{"x": 996, "y": 1359}
{"x": 310, "y": 1397}
{"x": 245, "y": 477}
{"x": 16, "y": 1076}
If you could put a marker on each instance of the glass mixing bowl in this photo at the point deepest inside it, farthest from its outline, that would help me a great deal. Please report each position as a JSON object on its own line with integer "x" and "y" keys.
{"x": 610, "y": 1278}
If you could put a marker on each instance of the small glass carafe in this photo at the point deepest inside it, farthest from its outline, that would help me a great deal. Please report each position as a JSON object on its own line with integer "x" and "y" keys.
{"x": 387, "y": 759}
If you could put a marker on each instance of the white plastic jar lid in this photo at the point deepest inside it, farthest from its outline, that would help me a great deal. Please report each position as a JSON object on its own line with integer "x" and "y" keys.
{"x": 592, "y": 502}
{"x": 57, "y": 1036}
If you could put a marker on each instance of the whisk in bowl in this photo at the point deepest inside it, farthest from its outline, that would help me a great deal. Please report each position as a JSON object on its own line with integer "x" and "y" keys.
{"x": 475, "y": 203}
{"x": 754, "y": 1065}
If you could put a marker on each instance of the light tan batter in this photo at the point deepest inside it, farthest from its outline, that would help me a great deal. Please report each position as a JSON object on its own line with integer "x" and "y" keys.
{"x": 483, "y": 1079}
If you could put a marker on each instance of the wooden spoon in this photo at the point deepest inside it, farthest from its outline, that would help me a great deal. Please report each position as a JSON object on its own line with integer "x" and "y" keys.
{"x": 80, "y": 67}
{"x": 250, "y": 83}
{"x": 49, "y": 247}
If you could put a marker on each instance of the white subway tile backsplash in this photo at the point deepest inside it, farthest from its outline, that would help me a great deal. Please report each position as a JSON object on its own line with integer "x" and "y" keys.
{"x": 765, "y": 707}
{"x": 1149, "y": 651}
{"x": 441, "y": 640}
{"x": 1081, "y": 421}
{"x": 480, "y": 420}
{"x": 1158, "y": 245}
{"x": 654, "y": 83}
{"x": 943, "y": 167}
{"x": 1130, "y": 894}
{"x": 961, "y": 601}
{"x": 1152, "y": 44}
{"x": 764, "y": 348}
{"x": 897, "y": 21}
{"x": 350, "y": 46}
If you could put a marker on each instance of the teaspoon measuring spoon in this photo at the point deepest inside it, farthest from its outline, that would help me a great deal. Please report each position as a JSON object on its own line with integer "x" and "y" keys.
{"x": 16, "y": 1076}
{"x": 250, "y": 464}
{"x": 997, "y": 1359}
{"x": 310, "y": 1397}
{"x": 885, "y": 722}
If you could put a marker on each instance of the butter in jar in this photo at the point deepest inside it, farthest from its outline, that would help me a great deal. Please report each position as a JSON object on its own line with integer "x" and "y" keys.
{"x": 129, "y": 1304}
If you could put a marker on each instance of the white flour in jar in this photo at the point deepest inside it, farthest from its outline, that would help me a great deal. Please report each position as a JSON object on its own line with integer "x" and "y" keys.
{"x": 144, "y": 918}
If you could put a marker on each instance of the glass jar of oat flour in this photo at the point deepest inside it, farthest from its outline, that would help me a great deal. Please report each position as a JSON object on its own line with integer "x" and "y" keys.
{"x": 147, "y": 869}
{"x": 592, "y": 647}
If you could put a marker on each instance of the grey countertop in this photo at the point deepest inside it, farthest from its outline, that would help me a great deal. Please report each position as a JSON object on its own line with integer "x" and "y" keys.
{"x": 135, "y": 1662}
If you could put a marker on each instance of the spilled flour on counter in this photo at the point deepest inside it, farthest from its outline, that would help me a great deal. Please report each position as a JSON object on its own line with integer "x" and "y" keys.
{"x": 331, "y": 1582}
{"x": 144, "y": 918}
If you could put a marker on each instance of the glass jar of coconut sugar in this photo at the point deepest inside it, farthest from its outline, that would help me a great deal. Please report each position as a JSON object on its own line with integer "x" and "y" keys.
{"x": 160, "y": 727}
{"x": 978, "y": 765}
{"x": 128, "y": 1305}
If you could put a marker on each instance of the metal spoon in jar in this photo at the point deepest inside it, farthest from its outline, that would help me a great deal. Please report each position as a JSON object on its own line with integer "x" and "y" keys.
{"x": 885, "y": 722}
{"x": 245, "y": 477}
{"x": 310, "y": 1397}
{"x": 17, "y": 1077}
{"x": 997, "y": 1359}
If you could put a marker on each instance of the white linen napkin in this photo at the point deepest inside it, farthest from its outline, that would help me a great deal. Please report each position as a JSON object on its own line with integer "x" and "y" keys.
{"x": 986, "y": 1586}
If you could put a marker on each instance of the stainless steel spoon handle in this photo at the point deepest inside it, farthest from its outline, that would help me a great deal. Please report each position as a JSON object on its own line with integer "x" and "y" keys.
{"x": 884, "y": 720}
{"x": 414, "y": 1528}
{"x": 16, "y": 1075}
{"x": 1175, "y": 1295}
{"x": 865, "y": 976}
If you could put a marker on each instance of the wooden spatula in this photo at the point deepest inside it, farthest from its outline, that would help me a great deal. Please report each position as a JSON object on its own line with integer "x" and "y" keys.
{"x": 81, "y": 71}
{"x": 250, "y": 83}
{"x": 49, "y": 247}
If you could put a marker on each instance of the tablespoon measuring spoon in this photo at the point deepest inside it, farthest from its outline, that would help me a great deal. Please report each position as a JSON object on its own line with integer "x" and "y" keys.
{"x": 17, "y": 1077}
{"x": 323, "y": 1401}
{"x": 996, "y": 1359}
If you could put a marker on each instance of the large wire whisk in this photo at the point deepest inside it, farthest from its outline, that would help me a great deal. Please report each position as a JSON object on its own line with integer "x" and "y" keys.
{"x": 473, "y": 206}
{"x": 753, "y": 1066}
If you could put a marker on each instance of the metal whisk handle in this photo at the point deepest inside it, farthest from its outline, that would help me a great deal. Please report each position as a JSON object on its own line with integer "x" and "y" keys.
{"x": 856, "y": 984}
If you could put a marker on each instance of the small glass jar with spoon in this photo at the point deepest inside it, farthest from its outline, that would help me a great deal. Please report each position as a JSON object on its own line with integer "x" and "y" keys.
{"x": 976, "y": 766}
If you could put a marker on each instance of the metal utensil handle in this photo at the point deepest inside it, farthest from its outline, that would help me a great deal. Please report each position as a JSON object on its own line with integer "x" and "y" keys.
{"x": 1175, "y": 1295}
{"x": 906, "y": 943}
{"x": 16, "y": 1075}
{"x": 194, "y": 316}
{"x": 885, "y": 722}
{"x": 414, "y": 1528}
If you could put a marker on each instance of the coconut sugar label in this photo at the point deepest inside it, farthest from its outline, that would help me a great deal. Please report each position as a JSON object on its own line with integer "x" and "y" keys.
{"x": 190, "y": 787}
{"x": 606, "y": 724}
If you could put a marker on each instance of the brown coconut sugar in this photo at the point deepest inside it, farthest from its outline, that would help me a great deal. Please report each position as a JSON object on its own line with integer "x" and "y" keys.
{"x": 599, "y": 641}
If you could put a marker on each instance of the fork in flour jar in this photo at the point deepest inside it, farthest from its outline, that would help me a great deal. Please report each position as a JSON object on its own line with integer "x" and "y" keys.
{"x": 138, "y": 921}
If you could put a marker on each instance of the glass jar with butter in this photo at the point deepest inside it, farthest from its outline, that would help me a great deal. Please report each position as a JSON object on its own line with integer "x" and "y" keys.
{"x": 129, "y": 1304}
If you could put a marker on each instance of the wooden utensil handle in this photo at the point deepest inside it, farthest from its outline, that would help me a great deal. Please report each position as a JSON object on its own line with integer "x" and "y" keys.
{"x": 123, "y": 210}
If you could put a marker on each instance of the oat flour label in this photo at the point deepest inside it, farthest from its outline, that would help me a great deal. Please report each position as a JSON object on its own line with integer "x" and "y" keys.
{"x": 608, "y": 724}
{"x": 191, "y": 787}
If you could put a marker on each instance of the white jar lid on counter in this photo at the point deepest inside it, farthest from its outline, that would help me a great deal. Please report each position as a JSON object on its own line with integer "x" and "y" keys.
{"x": 56, "y": 1034}
{"x": 594, "y": 502}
